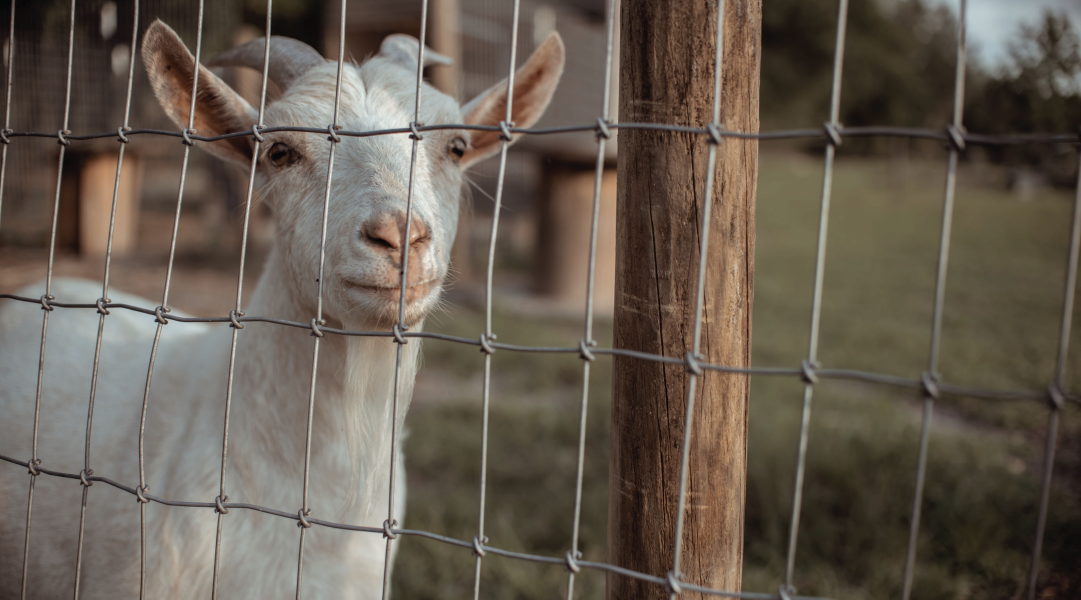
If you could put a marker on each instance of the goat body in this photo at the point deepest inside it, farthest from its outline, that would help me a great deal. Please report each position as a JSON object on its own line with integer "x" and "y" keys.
{"x": 351, "y": 420}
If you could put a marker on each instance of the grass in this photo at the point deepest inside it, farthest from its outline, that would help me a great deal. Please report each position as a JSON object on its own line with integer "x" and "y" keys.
{"x": 1000, "y": 329}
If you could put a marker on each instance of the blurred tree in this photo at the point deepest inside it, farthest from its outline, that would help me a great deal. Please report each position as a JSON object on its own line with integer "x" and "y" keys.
{"x": 1039, "y": 90}
{"x": 899, "y": 62}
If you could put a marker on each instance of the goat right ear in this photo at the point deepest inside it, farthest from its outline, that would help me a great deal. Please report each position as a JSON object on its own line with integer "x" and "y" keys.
{"x": 218, "y": 109}
{"x": 534, "y": 85}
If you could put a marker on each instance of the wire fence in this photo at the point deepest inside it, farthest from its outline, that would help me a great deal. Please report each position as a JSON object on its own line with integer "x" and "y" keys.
{"x": 832, "y": 133}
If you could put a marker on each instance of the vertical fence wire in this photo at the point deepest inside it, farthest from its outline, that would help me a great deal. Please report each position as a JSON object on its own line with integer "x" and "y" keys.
{"x": 236, "y": 325}
{"x": 400, "y": 326}
{"x": 693, "y": 370}
{"x": 930, "y": 388}
{"x": 832, "y": 128}
{"x": 318, "y": 320}
{"x": 488, "y": 337}
{"x": 7, "y": 107}
{"x": 103, "y": 312}
{"x": 1057, "y": 388}
{"x": 164, "y": 307}
{"x": 34, "y": 460}
{"x": 587, "y": 341}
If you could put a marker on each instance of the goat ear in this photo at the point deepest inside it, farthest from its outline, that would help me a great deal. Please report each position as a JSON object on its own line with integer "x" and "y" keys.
{"x": 218, "y": 109}
{"x": 534, "y": 85}
{"x": 403, "y": 49}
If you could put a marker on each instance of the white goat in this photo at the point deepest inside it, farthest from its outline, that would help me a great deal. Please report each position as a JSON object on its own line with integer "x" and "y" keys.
{"x": 351, "y": 423}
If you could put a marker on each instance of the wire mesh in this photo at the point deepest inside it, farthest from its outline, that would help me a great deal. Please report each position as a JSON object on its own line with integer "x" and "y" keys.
{"x": 833, "y": 134}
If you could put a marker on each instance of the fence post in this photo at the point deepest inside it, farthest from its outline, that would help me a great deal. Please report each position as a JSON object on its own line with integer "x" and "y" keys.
{"x": 666, "y": 76}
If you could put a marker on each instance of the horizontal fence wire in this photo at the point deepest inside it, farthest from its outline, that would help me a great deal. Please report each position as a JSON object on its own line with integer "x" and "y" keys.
{"x": 955, "y": 137}
{"x": 837, "y": 132}
{"x": 804, "y": 370}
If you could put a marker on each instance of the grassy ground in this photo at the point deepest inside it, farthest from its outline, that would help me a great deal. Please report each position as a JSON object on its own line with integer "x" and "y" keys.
{"x": 1003, "y": 307}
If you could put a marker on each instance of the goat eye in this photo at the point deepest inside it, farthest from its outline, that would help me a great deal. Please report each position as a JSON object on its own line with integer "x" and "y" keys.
{"x": 281, "y": 155}
{"x": 457, "y": 147}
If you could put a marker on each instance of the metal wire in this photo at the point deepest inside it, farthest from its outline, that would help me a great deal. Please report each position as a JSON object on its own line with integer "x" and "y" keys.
{"x": 809, "y": 370}
{"x": 318, "y": 320}
{"x": 406, "y": 244}
{"x": 587, "y": 341}
{"x": 832, "y": 133}
{"x": 102, "y": 312}
{"x": 258, "y": 139}
{"x": 488, "y": 337}
{"x": 674, "y": 576}
{"x": 930, "y": 389}
{"x": 35, "y": 461}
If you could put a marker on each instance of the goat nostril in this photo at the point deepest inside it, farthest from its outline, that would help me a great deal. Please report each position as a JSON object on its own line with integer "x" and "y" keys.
{"x": 383, "y": 234}
{"x": 418, "y": 233}
{"x": 378, "y": 241}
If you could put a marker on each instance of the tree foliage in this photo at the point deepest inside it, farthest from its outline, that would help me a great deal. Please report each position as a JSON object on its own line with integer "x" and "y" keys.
{"x": 899, "y": 69}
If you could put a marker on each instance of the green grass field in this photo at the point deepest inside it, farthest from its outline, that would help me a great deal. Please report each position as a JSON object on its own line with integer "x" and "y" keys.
{"x": 1003, "y": 307}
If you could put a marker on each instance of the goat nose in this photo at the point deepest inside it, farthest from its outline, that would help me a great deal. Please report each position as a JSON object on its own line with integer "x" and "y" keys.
{"x": 387, "y": 231}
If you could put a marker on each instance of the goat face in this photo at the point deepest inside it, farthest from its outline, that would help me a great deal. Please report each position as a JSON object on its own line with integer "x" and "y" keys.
{"x": 366, "y": 235}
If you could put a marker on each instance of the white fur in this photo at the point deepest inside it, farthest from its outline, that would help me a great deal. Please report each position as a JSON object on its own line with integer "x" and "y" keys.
{"x": 351, "y": 425}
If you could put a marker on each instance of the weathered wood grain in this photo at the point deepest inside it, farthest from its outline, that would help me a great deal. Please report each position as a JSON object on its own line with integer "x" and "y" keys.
{"x": 667, "y": 59}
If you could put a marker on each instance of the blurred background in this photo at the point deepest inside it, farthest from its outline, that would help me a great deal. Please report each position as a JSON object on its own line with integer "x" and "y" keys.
{"x": 1003, "y": 300}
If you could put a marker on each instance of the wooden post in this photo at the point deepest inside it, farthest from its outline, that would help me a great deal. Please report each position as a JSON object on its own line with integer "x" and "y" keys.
{"x": 666, "y": 76}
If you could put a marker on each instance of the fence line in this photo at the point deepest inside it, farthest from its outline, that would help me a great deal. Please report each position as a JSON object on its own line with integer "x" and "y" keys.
{"x": 809, "y": 370}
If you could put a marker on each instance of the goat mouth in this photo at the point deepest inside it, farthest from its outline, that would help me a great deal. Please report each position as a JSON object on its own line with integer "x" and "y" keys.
{"x": 393, "y": 294}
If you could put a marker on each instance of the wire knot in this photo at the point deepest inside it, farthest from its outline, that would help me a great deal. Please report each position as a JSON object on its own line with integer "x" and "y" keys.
{"x": 187, "y": 140}
{"x": 833, "y": 133}
{"x": 956, "y": 136}
{"x": 159, "y": 315}
{"x": 671, "y": 581}
{"x": 583, "y": 349}
{"x": 101, "y": 306}
{"x": 692, "y": 364}
{"x": 60, "y": 139}
{"x": 397, "y": 330}
{"x": 233, "y": 316}
{"x": 714, "y": 134}
{"x": 332, "y": 130}
{"x": 258, "y": 137}
{"x": 219, "y": 507}
{"x": 315, "y": 327}
{"x": 807, "y": 372}
{"x": 387, "y": 533}
{"x": 504, "y": 131}
{"x": 478, "y": 546}
{"x": 139, "y": 494}
{"x": 32, "y": 466}
{"x": 572, "y": 564}
{"x": 486, "y": 340}
{"x": 120, "y": 137}
{"x": 4, "y": 135}
{"x": 302, "y": 516}
{"x": 45, "y": 302}
{"x": 929, "y": 385}
{"x": 413, "y": 133}
{"x": 786, "y": 592}
{"x": 83, "y": 477}
{"x": 1056, "y": 396}
{"x": 602, "y": 129}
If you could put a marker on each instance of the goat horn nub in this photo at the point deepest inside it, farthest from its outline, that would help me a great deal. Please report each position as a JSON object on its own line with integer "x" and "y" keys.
{"x": 289, "y": 58}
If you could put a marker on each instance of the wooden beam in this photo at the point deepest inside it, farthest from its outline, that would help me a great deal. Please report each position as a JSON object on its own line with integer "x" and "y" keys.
{"x": 666, "y": 76}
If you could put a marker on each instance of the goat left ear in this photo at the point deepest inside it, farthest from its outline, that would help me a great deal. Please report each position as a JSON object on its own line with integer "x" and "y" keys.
{"x": 218, "y": 109}
{"x": 534, "y": 85}
{"x": 403, "y": 49}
